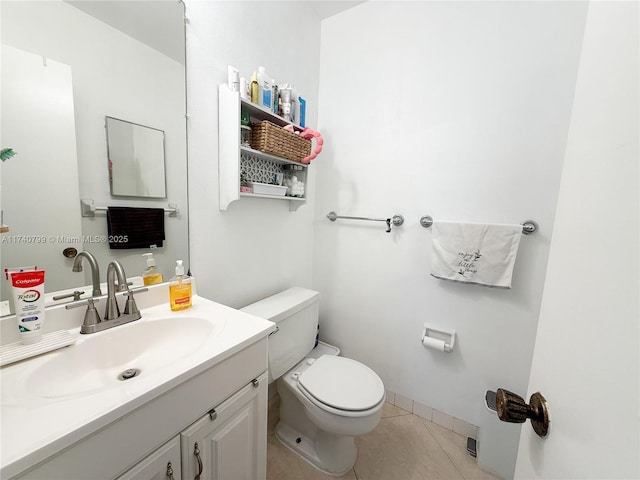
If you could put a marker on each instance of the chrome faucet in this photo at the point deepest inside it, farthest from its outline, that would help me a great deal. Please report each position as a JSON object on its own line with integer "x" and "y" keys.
{"x": 95, "y": 270}
{"x": 114, "y": 269}
{"x": 116, "y": 282}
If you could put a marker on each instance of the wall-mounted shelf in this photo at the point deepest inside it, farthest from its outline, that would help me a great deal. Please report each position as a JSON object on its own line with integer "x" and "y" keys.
{"x": 233, "y": 158}
{"x": 261, "y": 113}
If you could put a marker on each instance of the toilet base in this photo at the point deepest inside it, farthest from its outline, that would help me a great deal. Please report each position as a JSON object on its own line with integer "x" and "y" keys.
{"x": 331, "y": 454}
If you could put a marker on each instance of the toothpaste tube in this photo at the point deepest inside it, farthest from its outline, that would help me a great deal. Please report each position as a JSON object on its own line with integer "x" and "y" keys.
{"x": 28, "y": 298}
{"x": 7, "y": 276}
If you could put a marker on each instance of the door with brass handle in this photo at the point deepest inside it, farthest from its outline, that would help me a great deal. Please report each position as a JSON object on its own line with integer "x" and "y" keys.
{"x": 512, "y": 408}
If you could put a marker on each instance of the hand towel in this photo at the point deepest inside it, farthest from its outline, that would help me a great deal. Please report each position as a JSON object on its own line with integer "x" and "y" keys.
{"x": 130, "y": 227}
{"x": 475, "y": 253}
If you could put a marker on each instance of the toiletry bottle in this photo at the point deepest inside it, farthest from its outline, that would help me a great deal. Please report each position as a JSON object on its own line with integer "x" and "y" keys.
{"x": 180, "y": 289}
{"x": 151, "y": 275}
{"x": 264, "y": 89}
{"x": 302, "y": 106}
{"x": 245, "y": 89}
{"x": 295, "y": 106}
{"x": 255, "y": 90}
{"x": 275, "y": 96}
{"x": 233, "y": 78}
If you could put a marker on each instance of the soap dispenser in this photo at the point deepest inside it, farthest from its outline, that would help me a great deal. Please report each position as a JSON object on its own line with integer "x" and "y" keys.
{"x": 180, "y": 289}
{"x": 151, "y": 275}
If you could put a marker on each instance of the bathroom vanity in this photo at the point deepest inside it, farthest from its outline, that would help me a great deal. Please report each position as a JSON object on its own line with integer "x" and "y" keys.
{"x": 197, "y": 406}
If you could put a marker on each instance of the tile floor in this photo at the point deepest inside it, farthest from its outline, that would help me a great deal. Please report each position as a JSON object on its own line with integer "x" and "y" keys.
{"x": 402, "y": 447}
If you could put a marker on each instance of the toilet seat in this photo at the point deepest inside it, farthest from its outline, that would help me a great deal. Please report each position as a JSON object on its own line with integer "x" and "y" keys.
{"x": 342, "y": 385}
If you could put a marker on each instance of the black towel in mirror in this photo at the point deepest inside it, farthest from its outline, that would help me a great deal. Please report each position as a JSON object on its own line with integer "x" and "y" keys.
{"x": 130, "y": 227}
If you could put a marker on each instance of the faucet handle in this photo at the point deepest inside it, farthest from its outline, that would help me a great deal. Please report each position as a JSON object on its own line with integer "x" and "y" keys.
{"x": 91, "y": 316}
{"x": 81, "y": 303}
{"x": 130, "y": 306}
{"x": 75, "y": 294}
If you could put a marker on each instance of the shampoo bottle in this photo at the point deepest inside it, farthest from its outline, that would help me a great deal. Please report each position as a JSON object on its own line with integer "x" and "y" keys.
{"x": 180, "y": 289}
{"x": 151, "y": 275}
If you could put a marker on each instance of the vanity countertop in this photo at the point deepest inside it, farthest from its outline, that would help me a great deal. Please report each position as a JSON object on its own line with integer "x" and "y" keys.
{"x": 36, "y": 426}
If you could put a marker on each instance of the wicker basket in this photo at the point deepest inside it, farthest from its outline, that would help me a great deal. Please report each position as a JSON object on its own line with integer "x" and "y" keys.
{"x": 274, "y": 140}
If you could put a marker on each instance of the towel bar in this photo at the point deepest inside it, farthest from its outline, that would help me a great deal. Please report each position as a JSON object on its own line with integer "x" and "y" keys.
{"x": 89, "y": 209}
{"x": 528, "y": 226}
{"x": 396, "y": 220}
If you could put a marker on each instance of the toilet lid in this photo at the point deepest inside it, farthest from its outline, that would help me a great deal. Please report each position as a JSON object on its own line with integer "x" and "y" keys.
{"x": 342, "y": 383}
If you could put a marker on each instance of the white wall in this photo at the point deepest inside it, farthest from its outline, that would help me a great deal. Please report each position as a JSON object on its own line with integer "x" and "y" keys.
{"x": 257, "y": 247}
{"x": 113, "y": 75}
{"x": 586, "y": 360}
{"x": 459, "y": 110}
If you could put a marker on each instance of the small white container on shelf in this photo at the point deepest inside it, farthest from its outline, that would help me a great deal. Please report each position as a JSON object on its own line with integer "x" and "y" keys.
{"x": 267, "y": 189}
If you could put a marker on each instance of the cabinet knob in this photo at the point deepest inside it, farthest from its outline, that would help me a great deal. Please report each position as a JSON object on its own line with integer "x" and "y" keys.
{"x": 255, "y": 383}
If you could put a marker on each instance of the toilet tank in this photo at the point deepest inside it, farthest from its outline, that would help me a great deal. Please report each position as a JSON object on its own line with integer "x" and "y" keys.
{"x": 295, "y": 312}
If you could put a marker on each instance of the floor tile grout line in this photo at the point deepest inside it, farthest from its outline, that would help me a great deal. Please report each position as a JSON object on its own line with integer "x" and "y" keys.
{"x": 453, "y": 462}
{"x": 423, "y": 421}
{"x": 394, "y": 416}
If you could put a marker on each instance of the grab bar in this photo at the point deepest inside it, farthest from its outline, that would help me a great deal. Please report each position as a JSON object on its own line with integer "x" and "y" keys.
{"x": 396, "y": 220}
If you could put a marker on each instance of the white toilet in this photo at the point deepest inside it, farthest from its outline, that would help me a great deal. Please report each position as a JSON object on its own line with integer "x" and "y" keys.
{"x": 326, "y": 399}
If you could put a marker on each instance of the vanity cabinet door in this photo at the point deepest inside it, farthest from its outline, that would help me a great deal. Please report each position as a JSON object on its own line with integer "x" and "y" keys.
{"x": 229, "y": 442}
{"x": 163, "y": 464}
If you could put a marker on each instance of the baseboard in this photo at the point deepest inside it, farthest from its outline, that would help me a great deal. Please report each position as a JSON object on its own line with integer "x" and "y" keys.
{"x": 429, "y": 413}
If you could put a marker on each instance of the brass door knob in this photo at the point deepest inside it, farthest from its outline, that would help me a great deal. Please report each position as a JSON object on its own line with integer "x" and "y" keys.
{"x": 512, "y": 408}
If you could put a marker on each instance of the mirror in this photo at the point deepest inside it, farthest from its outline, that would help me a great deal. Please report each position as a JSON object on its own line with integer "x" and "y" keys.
{"x": 72, "y": 64}
{"x": 135, "y": 159}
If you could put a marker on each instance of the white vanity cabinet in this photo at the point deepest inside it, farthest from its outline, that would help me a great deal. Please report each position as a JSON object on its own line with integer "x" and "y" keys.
{"x": 162, "y": 464}
{"x": 232, "y": 157}
{"x": 229, "y": 442}
{"x": 140, "y": 444}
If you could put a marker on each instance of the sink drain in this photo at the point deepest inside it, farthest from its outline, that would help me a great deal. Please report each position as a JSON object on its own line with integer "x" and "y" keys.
{"x": 129, "y": 373}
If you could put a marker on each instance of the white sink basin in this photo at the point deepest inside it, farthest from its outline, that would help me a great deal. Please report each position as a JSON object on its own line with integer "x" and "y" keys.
{"x": 97, "y": 360}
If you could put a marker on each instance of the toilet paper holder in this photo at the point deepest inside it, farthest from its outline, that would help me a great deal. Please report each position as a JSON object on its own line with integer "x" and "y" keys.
{"x": 438, "y": 338}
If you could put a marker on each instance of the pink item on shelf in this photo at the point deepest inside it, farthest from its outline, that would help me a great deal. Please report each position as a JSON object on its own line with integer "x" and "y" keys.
{"x": 310, "y": 134}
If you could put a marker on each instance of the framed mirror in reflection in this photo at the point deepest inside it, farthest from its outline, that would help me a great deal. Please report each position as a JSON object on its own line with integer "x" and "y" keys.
{"x": 135, "y": 159}
{"x": 122, "y": 60}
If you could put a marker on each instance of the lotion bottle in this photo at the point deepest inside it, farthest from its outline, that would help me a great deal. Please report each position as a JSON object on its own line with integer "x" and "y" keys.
{"x": 180, "y": 289}
{"x": 151, "y": 275}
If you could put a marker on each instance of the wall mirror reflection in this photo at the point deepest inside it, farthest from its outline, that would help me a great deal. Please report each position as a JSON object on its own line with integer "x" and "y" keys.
{"x": 66, "y": 65}
{"x": 135, "y": 159}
